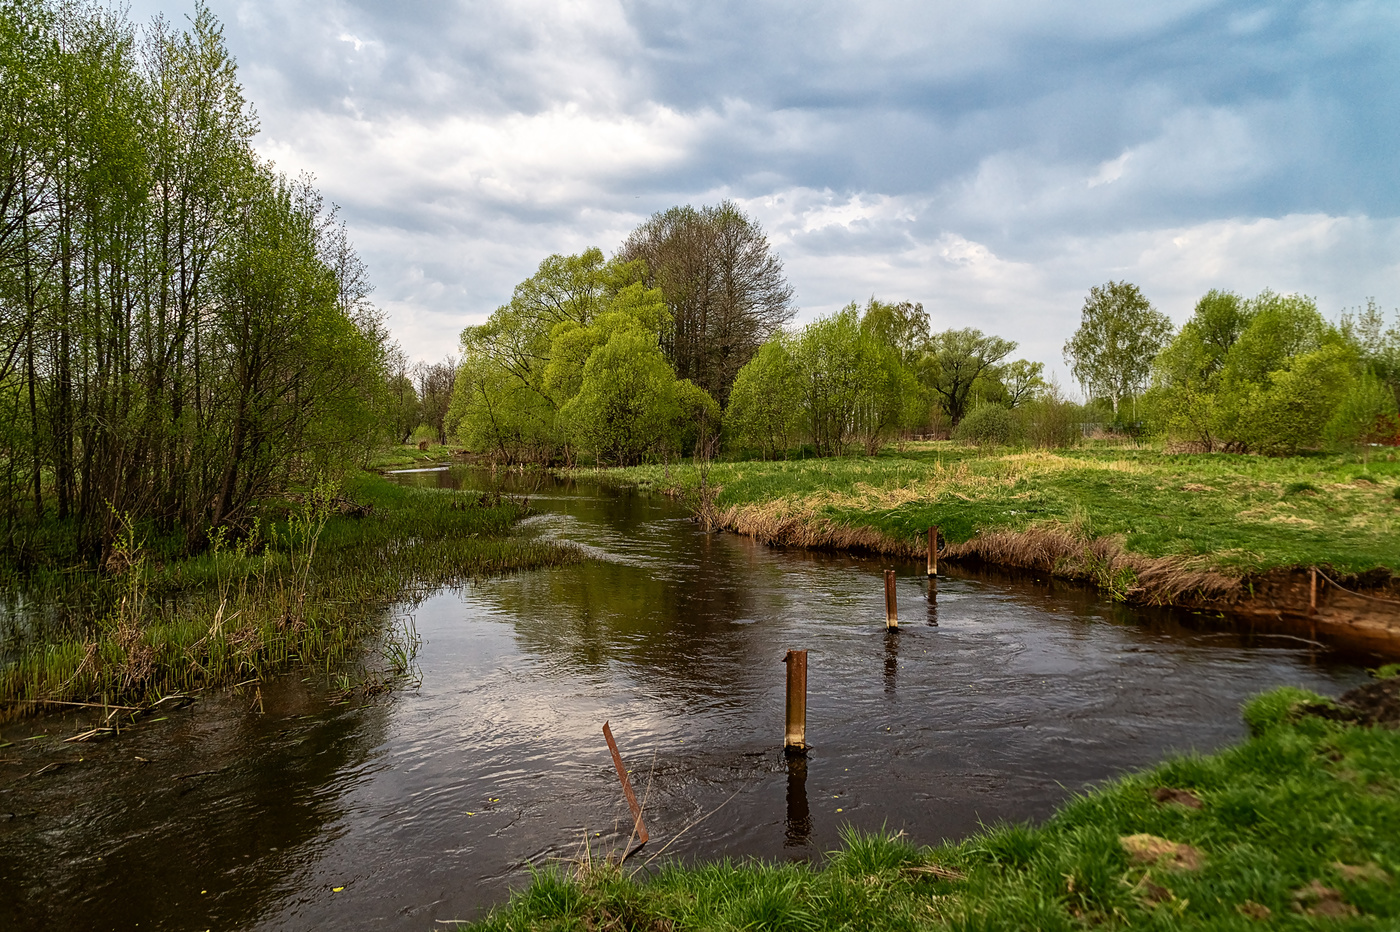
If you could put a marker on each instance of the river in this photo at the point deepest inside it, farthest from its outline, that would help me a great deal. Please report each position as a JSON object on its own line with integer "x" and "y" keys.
{"x": 997, "y": 698}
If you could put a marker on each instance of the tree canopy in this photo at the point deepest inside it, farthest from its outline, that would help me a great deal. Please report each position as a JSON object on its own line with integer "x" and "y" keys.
{"x": 722, "y": 283}
{"x": 183, "y": 330}
{"x": 1119, "y": 335}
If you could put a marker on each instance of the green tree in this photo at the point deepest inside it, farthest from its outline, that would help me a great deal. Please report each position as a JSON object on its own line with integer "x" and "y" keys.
{"x": 1377, "y": 346}
{"x": 626, "y": 404}
{"x": 723, "y": 285}
{"x": 1365, "y": 415}
{"x": 954, "y": 360}
{"x": 765, "y": 406}
{"x": 1119, "y": 335}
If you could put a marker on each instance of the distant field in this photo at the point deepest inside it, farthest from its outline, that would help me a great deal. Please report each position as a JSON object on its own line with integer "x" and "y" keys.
{"x": 1237, "y": 513}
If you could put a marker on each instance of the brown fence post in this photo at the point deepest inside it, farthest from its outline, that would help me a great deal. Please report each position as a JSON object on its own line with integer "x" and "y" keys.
{"x": 1312, "y": 592}
{"x": 891, "y": 606}
{"x": 632, "y": 803}
{"x": 933, "y": 550}
{"x": 795, "y": 741}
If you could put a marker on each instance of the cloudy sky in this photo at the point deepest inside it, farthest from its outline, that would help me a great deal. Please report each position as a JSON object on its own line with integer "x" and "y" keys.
{"x": 992, "y": 159}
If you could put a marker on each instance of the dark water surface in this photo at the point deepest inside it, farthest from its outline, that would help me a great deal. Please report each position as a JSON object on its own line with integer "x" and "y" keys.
{"x": 994, "y": 701}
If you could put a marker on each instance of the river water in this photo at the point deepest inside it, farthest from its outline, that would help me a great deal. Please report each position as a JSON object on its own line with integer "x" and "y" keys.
{"x": 996, "y": 699}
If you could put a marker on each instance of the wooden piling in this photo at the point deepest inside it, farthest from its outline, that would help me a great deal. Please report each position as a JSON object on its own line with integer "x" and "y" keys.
{"x": 891, "y": 606}
{"x": 933, "y": 550}
{"x": 1312, "y": 592}
{"x": 640, "y": 829}
{"x": 795, "y": 741}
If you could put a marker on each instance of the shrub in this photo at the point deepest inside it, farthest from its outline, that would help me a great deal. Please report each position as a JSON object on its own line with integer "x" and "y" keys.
{"x": 987, "y": 425}
{"x": 1050, "y": 422}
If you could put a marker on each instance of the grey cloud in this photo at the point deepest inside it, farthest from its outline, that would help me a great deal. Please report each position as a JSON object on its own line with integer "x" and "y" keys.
{"x": 467, "y": 140}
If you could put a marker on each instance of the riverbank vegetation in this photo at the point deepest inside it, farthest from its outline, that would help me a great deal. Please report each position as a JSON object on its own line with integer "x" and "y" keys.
{"x": 187, "y": 352}
{"x": 1300, "y": 824}
{"x": 185, "y": 331}
{"x": 1228, "y": 514}
{"x": 309, "y": 584}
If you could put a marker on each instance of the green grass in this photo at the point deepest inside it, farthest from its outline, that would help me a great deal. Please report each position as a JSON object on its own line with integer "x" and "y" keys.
{"x": 407, "y": 456}
{"x": 242, "y": 611}
{"x": 1240, "y": 513}
{"x": 1285, "y": 809}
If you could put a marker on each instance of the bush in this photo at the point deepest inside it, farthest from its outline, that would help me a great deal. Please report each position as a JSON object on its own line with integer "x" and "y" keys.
{"x": 987, "y": 425}
{"x": 1050, "y": 422}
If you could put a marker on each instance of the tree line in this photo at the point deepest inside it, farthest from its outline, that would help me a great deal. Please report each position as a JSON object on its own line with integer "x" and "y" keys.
{"x": 677, "y": 345}
{"x": 183, "y": 329}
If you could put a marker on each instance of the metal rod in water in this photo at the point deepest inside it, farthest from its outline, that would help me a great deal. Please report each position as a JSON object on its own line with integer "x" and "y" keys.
{"x": 891, "y": 608}
{"x": 795, "y": 741}
{"x": 933, "y": 550}
{"x": 632, "y": 803}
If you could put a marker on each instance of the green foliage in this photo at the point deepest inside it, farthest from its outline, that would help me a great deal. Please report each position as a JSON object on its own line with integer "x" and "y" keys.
{"x": 1365, "y": 415}
{"x": 627, "y": 400}
{"x": 529, "y": 364}
{"x": 852, "y": 385}
{"x": 185, "y": 331}
{"x": 722, "y": 285}
{"x": 1050, "y": 421}
{"x": 765, "y": 406}
{"x": 952, "y": 363}
{"x": 988, "y": 425}
{"x": 1119, "y": 335}
{"x": 1265, "y": 375}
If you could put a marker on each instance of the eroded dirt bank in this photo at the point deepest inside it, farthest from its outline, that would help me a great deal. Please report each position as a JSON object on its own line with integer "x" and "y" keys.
{"x": 1355, "y": 611}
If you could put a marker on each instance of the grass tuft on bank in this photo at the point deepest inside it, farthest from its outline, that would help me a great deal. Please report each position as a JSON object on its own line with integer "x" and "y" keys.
{"x": 1230, "y": 513}
{"x": 1298, "y": 827}
{"x": 308, "y": 584}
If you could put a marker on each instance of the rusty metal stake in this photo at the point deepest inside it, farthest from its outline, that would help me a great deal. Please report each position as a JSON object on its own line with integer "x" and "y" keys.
{"x": 795, "y": 741}
{"x": 891, "y": 607}
{"x": 636, "y": 807}
{"x": 933, "y": 550}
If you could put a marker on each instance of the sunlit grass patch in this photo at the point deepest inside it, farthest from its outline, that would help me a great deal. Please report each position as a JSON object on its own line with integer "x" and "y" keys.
{"x": 1241, "y": 513}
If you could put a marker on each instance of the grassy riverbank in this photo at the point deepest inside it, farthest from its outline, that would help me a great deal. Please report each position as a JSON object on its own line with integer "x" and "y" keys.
{"x": 1229, "y": 514}
{"x": 1300, "y": 823}
{"x": 308, "y": 584}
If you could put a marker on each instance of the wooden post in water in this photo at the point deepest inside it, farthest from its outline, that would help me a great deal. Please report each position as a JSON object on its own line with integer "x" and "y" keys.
{"x": 795, "y": 741}
{"x": 933, "y": 550}
{"x": 632, "y": 803}
{"x": 891, "y": 606}
{"x": 1312, "y": 593}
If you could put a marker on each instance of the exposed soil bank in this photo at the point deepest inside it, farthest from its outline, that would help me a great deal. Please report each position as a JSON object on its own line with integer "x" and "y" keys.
{"x": 1356, "y": 611}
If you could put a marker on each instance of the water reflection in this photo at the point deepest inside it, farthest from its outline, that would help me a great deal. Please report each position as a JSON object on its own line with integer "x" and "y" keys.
{"x": 797, "y": 829}
{"x": 891, "y": 660}
{"x": 430, "y": 805}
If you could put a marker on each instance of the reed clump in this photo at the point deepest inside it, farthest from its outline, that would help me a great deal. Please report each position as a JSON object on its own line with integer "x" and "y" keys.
{"x": 308, "y": 584}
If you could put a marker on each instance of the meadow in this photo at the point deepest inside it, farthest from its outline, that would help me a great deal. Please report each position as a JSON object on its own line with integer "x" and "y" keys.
{"x": 1229, "y": 514}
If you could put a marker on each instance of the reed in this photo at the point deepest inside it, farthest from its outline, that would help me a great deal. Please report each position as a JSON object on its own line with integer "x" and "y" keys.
{"x": 310, "y": 585}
